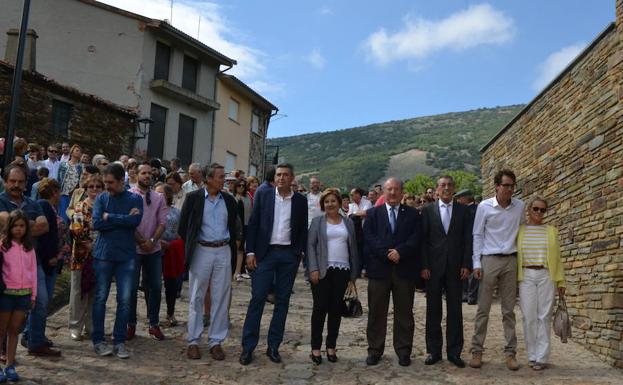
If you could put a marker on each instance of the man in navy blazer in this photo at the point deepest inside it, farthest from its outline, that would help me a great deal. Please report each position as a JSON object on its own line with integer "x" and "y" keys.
{"x": 390, "y": 249}
{"x": 276, "y": 240}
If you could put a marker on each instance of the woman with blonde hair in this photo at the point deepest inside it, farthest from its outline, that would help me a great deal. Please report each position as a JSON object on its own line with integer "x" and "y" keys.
{"x": 540, "y": 274}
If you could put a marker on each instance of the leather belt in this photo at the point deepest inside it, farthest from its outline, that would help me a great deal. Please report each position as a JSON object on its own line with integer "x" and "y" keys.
{"x": 214, "y": 244}
{"x": 535, "y": 267}
{"x": 501, "y": 255}
{"x": 280, "y": 246}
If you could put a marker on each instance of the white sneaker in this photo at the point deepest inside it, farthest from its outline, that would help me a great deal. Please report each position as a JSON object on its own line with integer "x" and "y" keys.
{"x": 102, "y": 349}
{"x": 120, "y": 351}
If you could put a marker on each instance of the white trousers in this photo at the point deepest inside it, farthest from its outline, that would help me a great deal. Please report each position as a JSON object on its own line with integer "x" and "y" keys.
{"x": 536, "y": 299}
{"x": 210, "y": 264}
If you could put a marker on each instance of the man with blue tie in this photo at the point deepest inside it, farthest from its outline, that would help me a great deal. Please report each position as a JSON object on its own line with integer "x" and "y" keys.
{"x": 390, "y": 246}
{"x": 276, "y": 240}
{"x": 446, "y": 259}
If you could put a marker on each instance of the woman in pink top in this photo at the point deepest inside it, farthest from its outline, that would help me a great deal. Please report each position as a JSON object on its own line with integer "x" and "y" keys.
{"x": 19, "y": 272}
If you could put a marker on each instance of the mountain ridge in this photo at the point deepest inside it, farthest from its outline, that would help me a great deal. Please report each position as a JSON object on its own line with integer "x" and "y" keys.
{"x": 360, "y": 156}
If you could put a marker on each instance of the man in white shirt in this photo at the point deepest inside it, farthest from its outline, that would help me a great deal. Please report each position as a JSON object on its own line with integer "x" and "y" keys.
{"x": 495, "y": 263}
{"x": 65, "y": 152}
{"x": 52, "y": 163}
{"x": 195, "y": 182}
{"x": 359, "y": 203}
{"x": 313, "y": 200}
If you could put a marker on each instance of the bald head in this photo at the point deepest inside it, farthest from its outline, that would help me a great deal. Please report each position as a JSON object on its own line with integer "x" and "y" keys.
{"x": 392, "y": 191}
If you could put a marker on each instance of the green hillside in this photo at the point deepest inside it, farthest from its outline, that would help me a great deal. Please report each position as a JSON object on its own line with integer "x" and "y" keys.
{"x": 360, "y": 156}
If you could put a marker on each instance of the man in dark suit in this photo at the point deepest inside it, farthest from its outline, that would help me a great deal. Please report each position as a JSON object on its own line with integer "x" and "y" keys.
{"x": 276, "y": 240}
{"x": 208, "y": 227}
{"x": 390, "y": 244}
{"x": 446, "y": 256}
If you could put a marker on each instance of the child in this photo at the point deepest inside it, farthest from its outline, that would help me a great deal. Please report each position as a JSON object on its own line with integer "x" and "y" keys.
{"x": 19, "y": 272}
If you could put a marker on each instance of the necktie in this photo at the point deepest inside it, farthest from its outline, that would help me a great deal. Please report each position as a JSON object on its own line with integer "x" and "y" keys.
{"x": 445, "y": 217}
{"x": 392, "y": 218}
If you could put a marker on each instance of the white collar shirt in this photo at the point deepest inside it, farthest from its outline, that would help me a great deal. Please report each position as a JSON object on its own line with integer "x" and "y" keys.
{"x": 495, "y": 228}
{"x": 442, "y": 207}
{"x": 396, "y": 210}
{"x": 282, "y": 219}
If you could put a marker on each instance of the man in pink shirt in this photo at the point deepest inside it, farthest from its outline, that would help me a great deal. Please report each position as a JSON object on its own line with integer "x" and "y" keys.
{"x": 148, "y": 252}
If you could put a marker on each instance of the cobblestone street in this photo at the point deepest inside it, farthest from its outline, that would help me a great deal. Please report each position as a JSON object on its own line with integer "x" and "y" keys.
{"x": 165, "y": 362}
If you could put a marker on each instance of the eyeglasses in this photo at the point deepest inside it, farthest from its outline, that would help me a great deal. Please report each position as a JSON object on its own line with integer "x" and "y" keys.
{"x": 508, "y": 185}
{"x": 542, "y": 210}
{"x": 95, "y": 186}
{"x": 104, "y": 164}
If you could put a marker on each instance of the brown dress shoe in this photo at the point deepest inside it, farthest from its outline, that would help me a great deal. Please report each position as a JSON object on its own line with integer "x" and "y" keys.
{"x": 193, "y": 352}
{"x": 476, "y": 361}
{"x": 44, "y": 351}
{"x": 217, "y": 353}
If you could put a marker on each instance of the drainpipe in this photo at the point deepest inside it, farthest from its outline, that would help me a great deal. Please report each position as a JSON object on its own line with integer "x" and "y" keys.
{"x": 214, "y": 112}
{"x": 265, "y": 138}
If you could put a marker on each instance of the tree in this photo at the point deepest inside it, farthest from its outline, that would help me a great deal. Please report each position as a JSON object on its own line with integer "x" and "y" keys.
{"x": 418, "y": 184}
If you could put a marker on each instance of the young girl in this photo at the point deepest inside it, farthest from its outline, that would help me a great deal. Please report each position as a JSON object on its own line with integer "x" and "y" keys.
{"x": 19, "y": 272}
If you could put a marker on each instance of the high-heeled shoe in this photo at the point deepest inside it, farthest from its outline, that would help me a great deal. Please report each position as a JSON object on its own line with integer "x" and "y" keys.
{"x": 331, "y": 357}
{"x": 316, "y": 359}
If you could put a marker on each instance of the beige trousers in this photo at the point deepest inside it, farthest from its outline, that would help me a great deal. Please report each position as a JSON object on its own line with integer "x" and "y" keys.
{"x": 500, "y": 272}
{"x": 80, "y": 306}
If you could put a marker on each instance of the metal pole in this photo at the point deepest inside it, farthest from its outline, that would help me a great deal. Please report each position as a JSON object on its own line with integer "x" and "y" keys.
{"x": 16, "y": 87}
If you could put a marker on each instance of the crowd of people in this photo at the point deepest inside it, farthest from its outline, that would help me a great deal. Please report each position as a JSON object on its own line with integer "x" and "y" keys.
{"x": 140, "y": 224}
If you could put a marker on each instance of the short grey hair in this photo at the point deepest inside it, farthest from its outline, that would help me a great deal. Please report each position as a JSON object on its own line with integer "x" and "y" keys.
{"x": 194, "y": 166}
{"x": 208, "y": 171}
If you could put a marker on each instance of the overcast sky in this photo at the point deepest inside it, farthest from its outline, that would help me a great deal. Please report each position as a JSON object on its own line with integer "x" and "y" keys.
{"x": 337, "y": 64}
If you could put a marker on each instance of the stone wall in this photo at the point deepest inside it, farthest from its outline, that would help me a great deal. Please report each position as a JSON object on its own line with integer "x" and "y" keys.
{"x": 567, "y": 145}
{"x": 98, "y": 126}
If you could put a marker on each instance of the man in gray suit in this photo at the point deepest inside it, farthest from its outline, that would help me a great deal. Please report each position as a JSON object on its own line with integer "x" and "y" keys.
{"x": 446, "y": 252}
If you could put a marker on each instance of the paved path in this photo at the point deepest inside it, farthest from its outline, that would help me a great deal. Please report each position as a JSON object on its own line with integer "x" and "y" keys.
{"x": 154, "y": 362}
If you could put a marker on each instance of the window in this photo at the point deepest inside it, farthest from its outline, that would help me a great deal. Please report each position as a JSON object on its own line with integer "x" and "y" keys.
{"x": 61, "y": 115}
{"x": 186, "y": 139}
{"x": 163, "y": 58}
{"x": 155, "y": 138}
{"x": 189, "y": 76}
{"x": 255, "y": 123}
{"x": 253, "y": 170}
{"x": 232, "y": 113}
{"x": 230, "y": 161}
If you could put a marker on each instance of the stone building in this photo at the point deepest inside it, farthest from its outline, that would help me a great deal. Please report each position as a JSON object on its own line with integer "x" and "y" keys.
{"x": 567, "y": 145}
{"x": 242, "y": 126}
{"x": 132, "y": 60}
{"x": 50, "y": 112}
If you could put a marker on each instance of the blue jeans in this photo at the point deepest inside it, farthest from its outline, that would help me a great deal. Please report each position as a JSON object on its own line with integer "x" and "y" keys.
{"x": 280, "y": 265}
{"x": 151, "y": 266}
{"x": 34, "y": 332}
{"x": 123, "y": 271}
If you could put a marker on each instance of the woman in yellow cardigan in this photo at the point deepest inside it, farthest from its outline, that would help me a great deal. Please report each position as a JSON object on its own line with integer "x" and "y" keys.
{"x": 540, "y": 274}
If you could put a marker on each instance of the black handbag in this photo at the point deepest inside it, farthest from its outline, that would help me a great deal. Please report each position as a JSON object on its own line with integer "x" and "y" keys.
{"x": 351, "y": 306}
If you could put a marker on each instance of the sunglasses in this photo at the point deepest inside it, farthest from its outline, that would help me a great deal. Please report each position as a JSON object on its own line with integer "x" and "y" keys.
{"x": 54, "y": 151}
{"x": 104, "y": 164}
{"x": 95, "y": 186}
{"x": 541, "y": 210}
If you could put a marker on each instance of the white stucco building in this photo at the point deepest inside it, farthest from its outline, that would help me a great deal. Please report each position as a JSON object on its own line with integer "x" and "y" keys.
{"x": 131, "y": 60}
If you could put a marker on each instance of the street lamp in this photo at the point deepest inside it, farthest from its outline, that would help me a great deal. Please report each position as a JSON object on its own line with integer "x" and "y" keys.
{"x": 142, "y": 128}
